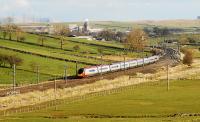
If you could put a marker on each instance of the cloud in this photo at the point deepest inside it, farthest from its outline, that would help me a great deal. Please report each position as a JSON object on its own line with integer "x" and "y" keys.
{"x": 13, "y": 5}
{"x": 22, "y": 3}
{"x": 101, "y": 9}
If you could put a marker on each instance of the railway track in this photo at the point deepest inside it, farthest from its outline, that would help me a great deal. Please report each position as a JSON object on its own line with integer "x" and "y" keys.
{"x": 164, "y": 61}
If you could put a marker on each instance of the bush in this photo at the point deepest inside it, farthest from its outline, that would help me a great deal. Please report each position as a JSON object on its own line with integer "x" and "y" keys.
{"x": 155, "y": 51}
{"x": 183, "y": 50}
{"x": 76, "y": 48}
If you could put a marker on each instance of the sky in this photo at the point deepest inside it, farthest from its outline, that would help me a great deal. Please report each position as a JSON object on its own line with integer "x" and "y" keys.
{"x": 115, "y": 10}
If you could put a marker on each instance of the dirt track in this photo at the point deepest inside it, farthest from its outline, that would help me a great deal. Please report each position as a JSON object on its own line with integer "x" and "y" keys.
{"x": 74, "y": 82}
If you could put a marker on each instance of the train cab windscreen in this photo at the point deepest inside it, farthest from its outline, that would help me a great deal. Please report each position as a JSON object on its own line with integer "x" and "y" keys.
{"x": 80, "y": 71}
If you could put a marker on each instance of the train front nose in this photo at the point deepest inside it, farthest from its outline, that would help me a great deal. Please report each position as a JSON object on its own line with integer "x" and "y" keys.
{"x": 81, "y": 72}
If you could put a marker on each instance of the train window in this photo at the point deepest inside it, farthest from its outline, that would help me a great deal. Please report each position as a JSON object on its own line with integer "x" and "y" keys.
{"x": 80, "y": 71}
{"x": 132, "y": 63}
{"x": 114, "y": 66}
{"x": 104, "y": 68}
{"x": 92, "y": 70}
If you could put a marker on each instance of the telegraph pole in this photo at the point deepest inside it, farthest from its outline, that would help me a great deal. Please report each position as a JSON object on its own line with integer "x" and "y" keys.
{"x": 14, "y": 77}
{"x": 38, "y": 75}
{"x": 76, "y": 67}
{"x": 143, "y": 57}
{"x": 101, "y": 66}
{"x": 55, "y": 89}
{"x": 124, "y": 61}
{"x": 168, "y": 77}
{"x": 65, "y": 73}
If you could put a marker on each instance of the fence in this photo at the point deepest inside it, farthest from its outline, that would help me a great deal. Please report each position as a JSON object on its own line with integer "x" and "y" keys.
{"x": 107, "y": 87}
{"x": 79, "y": 97}
{"x": 56, "y": 102}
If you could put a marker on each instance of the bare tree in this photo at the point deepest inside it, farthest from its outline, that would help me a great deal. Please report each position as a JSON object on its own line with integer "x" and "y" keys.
{"x": 76, "y": 48}
{"x": 33, "y": 65}
{"x": 41, "y": 40}
{"x": 107, "y": 35}
{"x": 4, "y": 34}
{"x": 3, "y": 58}
{"x": 19, "y": 33}
{"x": 100, "y": 51}
{"x": 10, "y": 59}
{"x": 188, "y": 58}
{"x": 61, "y": 31}
{"x": 136, "y": 40}
{"x": 3, "y": 31}
{"x": 14, "y": 60}
{"x": 183, "y": 39}
{"x": 10, "y": 31}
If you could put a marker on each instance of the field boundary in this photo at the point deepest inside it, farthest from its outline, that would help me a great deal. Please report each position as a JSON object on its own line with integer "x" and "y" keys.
{"x": 45, "y": 56}
{"x": 55, "y": 103}
{"x": 90, "y": 44}
{"x": 81, "y": 56}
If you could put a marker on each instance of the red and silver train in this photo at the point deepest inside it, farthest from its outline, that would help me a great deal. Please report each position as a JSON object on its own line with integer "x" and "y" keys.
{"x": 94, "y": 70}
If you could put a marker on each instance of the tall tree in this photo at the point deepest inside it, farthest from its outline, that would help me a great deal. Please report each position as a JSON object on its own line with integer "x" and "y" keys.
{"x": 107, "y": 35}
{"x": 136, "y": 40}
{"x": 183, "y": 39}
{"x": 188, "y": 58}
{"x": 19, "y": 33}
{"x": 41, "y": 40}
{"x": 61, "y": 31}
{"x": 76, "y": 48}
{"x": 3, "y": 31}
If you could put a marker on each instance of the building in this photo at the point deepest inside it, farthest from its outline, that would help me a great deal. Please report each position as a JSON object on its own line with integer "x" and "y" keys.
{"x": 86, "y": 26}
{"x": 95, "y": 30}
{"x": 73, "y": 27}
{"x": 37, "y": 29}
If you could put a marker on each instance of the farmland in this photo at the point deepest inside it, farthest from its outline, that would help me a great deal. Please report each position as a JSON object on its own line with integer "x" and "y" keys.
{"x": 99, "y": 61}
{"x": 55, "y": 59}
{"x": 146, "y": 99}
{"x": 188, "y": 25}
{"x": 47, "y": 66}
{"x": 146, "y": 102}
{"x": 52, "y": 60}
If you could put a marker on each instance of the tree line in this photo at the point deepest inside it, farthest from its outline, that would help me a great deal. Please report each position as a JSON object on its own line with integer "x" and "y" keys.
{"x": 10, "y": 60}
{"x": 9, "y": 30}
{"x": 109, "y": 35}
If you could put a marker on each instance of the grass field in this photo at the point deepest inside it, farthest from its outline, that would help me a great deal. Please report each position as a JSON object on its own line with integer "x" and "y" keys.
{"x": 88, "y": 54}
{"x": 152, "y": 100}
{"x": 52, "y": 42}
{"x": 22, "y": 77}
{"x": 47, "y": 66}
{"x": 45, "y": 56}
{"x": 188, "y": 25}
{"x": 46, "y": 51}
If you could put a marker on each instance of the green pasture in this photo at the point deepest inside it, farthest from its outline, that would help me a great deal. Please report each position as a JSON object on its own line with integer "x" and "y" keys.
{"x": 22, "y": 77}
{"x": 49, "y": 67}
{"x": 47, "y": 51}
{"x": 148, "y": 99}
{"x": 52, "y": 42}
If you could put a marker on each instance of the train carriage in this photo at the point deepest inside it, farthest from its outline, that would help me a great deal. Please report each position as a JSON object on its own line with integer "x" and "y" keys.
{"x": 85, "y": 72}
{"x": 114, "y": 67}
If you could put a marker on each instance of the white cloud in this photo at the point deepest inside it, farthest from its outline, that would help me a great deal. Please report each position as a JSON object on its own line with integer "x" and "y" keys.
{"x": 101, "y": 9}
{"x": 12, "y": 5}
{"x": 22, "y": 3}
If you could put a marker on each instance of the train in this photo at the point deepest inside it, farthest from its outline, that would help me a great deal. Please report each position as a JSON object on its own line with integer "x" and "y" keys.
{"x": 95, "y": 70}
